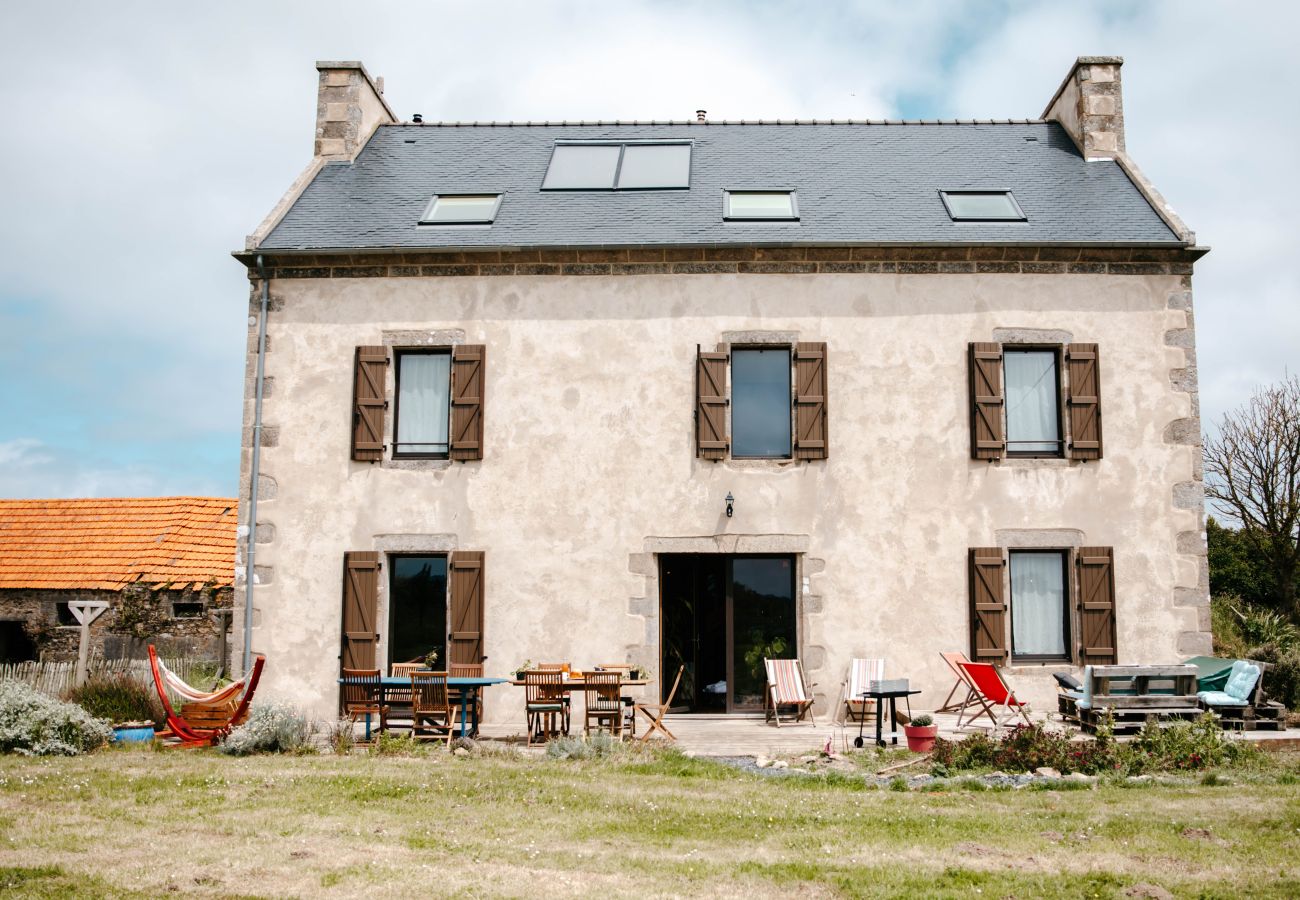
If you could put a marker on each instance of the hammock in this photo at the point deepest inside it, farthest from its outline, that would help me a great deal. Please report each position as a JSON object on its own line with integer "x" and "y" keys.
{"x": 207, "y": 716}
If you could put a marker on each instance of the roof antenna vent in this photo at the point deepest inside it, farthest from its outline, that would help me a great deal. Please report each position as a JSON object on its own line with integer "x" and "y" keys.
{"x": 701, "y": 115}
{"x": 417, "y": 118}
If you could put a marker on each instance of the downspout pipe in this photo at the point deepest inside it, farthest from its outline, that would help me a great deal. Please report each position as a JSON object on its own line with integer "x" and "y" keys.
{"x": 251, "y": 552}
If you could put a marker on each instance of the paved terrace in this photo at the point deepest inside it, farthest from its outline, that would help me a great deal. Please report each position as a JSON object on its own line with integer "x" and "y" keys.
{"x": 749, "y": 735}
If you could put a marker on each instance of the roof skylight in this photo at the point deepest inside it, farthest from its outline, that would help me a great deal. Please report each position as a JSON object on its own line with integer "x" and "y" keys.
{"x": 619, "y": 166}
{"x": 760, "y": 205}
{"x": 981, "y": 206}
{"x": 462, "y": 209}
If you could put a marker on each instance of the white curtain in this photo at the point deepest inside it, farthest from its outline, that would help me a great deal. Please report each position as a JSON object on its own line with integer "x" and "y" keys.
{"x": 1031, "y": 401}
{"x": 423, "y": 403}
{"x": 1037, "y": 604}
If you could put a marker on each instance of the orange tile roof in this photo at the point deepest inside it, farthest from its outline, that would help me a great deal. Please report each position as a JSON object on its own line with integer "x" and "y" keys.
{"x": 105, "y": 544}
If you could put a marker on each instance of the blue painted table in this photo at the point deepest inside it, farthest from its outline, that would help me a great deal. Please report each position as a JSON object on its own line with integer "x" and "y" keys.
{"x": 468, "y": 695}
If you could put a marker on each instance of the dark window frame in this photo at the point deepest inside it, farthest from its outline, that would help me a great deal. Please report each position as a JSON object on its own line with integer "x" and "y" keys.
{"x": 731, "y": 390}
{"x": 1015, "y": 204}
{"x": 1067, "y": 613}
{"x": 425, "y": 219}
{"x": 63, "y": 615}
{"x": 390, "y": 558}
{"x": 398, "y": 353}
{"x": 618, "y": 167}
{"x": 1058, "y": 351}
{"x": 792, "y": 193}
{"x": 193, "y": 609}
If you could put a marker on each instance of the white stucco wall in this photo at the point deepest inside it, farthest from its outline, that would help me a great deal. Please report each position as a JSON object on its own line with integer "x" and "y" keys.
{"x": 590, "y": 463}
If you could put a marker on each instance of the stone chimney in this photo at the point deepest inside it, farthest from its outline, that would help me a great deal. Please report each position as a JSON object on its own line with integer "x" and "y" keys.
{"x": 1089, "y": 104}
{"x": 349, "y": 106}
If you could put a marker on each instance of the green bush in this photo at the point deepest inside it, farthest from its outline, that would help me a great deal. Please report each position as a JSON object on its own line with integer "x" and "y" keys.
{"x": 34, "y": 724}
{"x": 118, "y": 698}
{"x": 1183, "y": 747}
{"x": 273, "y": 728}
{"x": 598, "y": 745}
{"x": 1242, "y": 631}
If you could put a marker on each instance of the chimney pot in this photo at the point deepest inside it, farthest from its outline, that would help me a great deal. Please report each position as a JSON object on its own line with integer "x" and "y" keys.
{"x": 417, "y": 118}
{"x": 701, "y": 115}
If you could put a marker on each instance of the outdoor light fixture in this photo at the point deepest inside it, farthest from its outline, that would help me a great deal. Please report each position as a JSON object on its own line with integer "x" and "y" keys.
{"x": 730, "y": 504}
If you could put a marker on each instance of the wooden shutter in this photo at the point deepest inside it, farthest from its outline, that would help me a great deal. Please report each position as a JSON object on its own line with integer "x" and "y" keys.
{"x": 465, "y": 643}
{"x": 987, "y": 440}
{"x": 360, "y": 609}
{"x": 711, "y": 440}
{"x": 1084, "y": 401}
{"x": 368, "y": 403}
{"x": 468, "y": 380}
{"x": 811, "y": 436}
{"x": 1096, "y": 586}
{"x": 988, "y": 606}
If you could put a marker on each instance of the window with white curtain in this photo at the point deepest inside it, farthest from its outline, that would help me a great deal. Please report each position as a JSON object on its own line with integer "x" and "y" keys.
{"x": 1033, "y": 402}
{"x": 423, "y": 414}
{"x": 1039, "y": 607}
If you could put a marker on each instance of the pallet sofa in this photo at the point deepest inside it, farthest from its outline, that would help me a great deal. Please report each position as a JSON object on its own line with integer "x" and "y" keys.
{"x": 1131, "y": 694}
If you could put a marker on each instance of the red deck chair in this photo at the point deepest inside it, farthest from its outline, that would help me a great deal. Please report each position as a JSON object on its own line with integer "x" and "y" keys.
{"x": 206, "y": 717}
{"x": 989, "y": 696}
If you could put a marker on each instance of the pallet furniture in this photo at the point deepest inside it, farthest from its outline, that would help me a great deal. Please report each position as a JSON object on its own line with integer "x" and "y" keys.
{"x": 1247, "y": 709}
{"x": 1131, "y": 695}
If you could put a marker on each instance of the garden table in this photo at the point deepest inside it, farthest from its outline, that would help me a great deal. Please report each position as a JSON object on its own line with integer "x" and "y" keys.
{"x": 468, "y": 695}
{"x": 880, "y": 691}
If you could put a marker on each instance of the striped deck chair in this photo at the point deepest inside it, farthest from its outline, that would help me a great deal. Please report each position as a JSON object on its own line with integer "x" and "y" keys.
{"x": 861, "y": 673}
{"x": 787, "y": 689}
{"x": 962, "y": 687}
{"x": 990, "y": 696}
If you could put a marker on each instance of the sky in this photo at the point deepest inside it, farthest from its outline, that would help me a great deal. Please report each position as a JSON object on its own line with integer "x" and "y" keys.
{"x": 145, "y": 140}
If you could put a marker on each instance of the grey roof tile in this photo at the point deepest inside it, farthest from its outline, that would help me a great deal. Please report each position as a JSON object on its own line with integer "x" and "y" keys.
{"x": 856, "y": 183}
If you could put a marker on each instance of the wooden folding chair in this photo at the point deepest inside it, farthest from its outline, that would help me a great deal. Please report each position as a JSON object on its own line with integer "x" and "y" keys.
{"x": 787, "y": 687}
{"x": 963, "y": 684}
{"x": 431, "y": 715}
{"x": 543, "y": 704}
{"x": 655, "y": 712}
{"x": 604, "y": 702}
{"x": 399, "y": 698}
{"x": 361, "y": 691}
{"x": 861, "y": 673}
{"x": 466, "y": 670}
{"x": 629, "y": 703}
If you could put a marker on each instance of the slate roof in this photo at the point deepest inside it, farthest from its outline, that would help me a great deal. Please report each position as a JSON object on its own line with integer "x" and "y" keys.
{"x": 857, "y": 184}
{"x": 106, "y": 544}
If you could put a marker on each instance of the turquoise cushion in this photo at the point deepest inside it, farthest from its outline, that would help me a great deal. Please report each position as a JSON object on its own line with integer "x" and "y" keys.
{"x": 1218, "y": 698}
{"x": 1241, "y": 681}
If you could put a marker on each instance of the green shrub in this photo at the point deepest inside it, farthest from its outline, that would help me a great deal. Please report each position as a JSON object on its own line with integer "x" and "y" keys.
{"x": 922, "y": 721}
{"x": 118, "y": 698}
{"x": 598, "y": 745}
{"x": 273, "y": 728}
{"x": 388, "y": 744}
{"x": 1184, "y": 746}
{"x": 34, "y": 724}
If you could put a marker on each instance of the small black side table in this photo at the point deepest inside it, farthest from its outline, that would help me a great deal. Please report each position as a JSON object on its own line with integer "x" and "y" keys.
{"x": 881, "y": 691}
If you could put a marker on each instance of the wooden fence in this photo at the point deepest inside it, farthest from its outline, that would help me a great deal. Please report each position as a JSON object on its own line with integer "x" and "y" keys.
{"x": 56, "y": 678}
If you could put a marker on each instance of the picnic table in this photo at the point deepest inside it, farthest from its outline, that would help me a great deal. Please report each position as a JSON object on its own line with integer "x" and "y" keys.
{"x": 468, "y": 695}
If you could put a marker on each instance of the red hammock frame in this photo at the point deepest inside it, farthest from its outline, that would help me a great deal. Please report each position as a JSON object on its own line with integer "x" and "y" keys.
{"x": 192, "y": 735}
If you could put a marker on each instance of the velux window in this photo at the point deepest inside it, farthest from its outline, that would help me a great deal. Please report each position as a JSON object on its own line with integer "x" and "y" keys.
{"x": 760, "y": 205}
{"x": 1040, "y": 619}
{"x": 462, "y": 209}
{"x": 423, "y": 414}
{"x": 605, "y": 166}
{"x": 981, "y": 206}
{"x": 1033, "y": 402}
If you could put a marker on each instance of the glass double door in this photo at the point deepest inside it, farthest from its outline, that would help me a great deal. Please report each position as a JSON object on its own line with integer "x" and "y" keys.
{"x": 720, "y": 616}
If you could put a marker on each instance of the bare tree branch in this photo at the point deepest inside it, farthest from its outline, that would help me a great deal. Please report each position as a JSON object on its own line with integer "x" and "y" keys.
{"x": 1253, "y": 477}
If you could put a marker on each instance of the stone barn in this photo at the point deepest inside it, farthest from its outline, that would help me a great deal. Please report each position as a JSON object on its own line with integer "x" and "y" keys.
{"x": 163, "y": 564}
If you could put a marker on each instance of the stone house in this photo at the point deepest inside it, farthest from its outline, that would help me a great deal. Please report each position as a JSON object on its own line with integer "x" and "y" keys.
{"x": 694, "y": 393}
{"x": 165, "y": 566}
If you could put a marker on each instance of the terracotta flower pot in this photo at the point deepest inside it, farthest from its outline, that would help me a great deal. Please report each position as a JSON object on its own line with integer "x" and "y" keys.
{"x": 920, "y": 738}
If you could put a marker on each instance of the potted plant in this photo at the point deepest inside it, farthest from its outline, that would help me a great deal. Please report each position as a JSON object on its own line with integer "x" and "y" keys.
{"x": 519, "y": 671}
{"x": 921, "y": 733}
{"x": 431, "y": 660}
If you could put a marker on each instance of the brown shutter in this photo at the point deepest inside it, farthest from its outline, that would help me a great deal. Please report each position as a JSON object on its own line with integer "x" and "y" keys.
{"x": 811, "y": 436}
{"x": 1096, "y": 569}
{"x": 468, "y": 380}
{"x": 368, "y": 403}
{"x": 360, "y": 609}
{"x": 1084, "y": 401}
{"x": 711, "y": 403}
{"x": 988, "y": 607}
{"x": 465, "y": 644}
{"x": 986, "y": 435}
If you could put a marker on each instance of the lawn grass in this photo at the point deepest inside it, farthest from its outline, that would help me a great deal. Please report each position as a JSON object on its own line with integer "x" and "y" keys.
{"x": 139, "y": 823}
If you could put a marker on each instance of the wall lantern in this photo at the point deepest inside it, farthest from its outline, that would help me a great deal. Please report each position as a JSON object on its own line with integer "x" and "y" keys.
{"x": 730, "y": 504}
